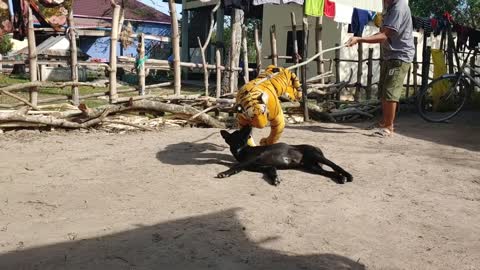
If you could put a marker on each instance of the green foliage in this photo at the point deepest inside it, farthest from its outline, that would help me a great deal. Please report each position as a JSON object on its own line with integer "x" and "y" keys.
{"x": 466, "y": 12}
{"x": 6, "y": 44}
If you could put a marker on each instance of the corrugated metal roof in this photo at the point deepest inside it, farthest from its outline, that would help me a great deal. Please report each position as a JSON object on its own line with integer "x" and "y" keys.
{"x": 134, "y": 10}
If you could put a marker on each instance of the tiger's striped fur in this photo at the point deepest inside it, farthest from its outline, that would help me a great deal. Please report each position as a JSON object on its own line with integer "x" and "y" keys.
{"x": 258, "y": 105}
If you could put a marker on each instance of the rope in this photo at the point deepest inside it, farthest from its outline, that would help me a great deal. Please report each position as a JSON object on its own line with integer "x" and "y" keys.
{"x": 301, "y": 64}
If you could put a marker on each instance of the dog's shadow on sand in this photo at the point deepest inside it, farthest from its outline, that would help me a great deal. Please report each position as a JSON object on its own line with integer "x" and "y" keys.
{"x": 196, "y": 153}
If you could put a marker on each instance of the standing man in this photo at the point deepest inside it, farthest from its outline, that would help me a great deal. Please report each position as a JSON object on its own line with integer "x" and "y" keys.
{"x": 396, "y": 39}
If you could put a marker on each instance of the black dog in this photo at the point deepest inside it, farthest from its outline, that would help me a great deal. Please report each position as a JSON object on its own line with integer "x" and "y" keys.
{"x": 268, "y": 159}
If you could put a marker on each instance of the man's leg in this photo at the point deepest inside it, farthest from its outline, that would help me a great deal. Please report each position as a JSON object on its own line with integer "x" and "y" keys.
{"x": 389, "y": 111}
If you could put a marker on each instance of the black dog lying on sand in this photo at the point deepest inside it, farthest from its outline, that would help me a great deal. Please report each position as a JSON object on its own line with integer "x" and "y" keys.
{"x": 269, "y": 158}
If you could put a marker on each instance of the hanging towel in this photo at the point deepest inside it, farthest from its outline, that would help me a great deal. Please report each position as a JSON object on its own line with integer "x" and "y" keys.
{"x": 314, "y": 7}
{"x": 343, "y": 13}
{"x": 300, "y": 2}
{"x": 439, "y": 69}
{"x": 360, "y": 18}
{"x": 329, "y": 9}
{"x": 422, "y": 23}
{"x": 263, "y": 2}
{"x": 373, "y": 5}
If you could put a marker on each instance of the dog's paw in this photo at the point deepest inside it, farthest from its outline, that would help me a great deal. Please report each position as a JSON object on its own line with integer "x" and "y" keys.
{"x": 349, "y": 178}
{"x": 222, "y": 175}
{"x": 341, "y": 179}
{"x": 276, "y": 181}
{"x": 264, "y": 141}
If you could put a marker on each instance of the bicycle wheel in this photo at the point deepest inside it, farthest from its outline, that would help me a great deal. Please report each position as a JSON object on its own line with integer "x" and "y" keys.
{"x": 443, "y": 98}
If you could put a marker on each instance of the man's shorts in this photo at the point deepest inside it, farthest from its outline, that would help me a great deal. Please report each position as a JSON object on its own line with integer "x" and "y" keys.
{"x": 392, "y": 76}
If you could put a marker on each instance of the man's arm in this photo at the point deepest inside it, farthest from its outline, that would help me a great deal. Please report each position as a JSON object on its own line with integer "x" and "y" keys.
{"x": 379, "y": 37}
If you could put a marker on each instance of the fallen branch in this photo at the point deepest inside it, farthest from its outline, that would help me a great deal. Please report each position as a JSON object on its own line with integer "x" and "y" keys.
{"x": 125, "y": 123}
{"x": 5, "y": 92}
{"x": 27, "y": 85}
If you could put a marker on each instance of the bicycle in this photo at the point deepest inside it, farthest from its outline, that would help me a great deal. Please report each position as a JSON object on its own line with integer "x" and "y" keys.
{"x": 445, "y": 96}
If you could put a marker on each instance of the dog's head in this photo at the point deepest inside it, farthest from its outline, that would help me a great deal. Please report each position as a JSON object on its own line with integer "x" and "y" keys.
{"x": 237, "y": 139}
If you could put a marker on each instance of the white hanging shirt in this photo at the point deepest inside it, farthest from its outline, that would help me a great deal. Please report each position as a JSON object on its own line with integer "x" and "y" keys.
{"x": 343, "y": 13}
{"x": 372, "y": 5}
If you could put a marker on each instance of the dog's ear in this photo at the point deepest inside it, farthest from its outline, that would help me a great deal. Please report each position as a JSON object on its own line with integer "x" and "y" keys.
{"x": 224, "y": 134}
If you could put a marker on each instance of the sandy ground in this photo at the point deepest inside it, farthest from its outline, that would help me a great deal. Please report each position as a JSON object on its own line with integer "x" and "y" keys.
{"x": 150, "y": 201}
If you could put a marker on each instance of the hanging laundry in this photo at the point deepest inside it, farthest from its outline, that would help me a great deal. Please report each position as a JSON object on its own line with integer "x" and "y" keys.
{"x": 374, "y": 5}
{"x": 20, "y": 19}
{"x": 314, "y": 7}
{"x": 300, "y": 2}
{"x": 6, "y": 25}
{"x": 474, "y": 39}
{"x": 343, "y": 13}
{"x": 263, "y": 2}
{"x": 53, "y": 13}
{"x": 462, "y": 35}
{"x": 360, "y": 18}
{"x": 378, "y": 20}
{"x": 329, "y": 9}
{"x": 422, "y": 23}
{"x": 239, "y": 4}
{"x": 439, "y": 89}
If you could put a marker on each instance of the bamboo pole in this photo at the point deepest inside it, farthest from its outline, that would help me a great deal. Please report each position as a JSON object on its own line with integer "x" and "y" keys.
{"x": 296, "y": 56}
{"x": 218, "y": 61}
{"x": 113, "y": 54}
{"x": 177, "y": 73}
{"x": 319, "y": 43}
{"x": 370, "y": 74}
{"x": 258, "y": 49}
{"x": 141, "y": 64}
{"x": 237, "y": 21}
{"x": 245, "y": 54}
{"x": 74, "y": 56}
{"x": 32, "y": 57}
{"x": 273, "y": 45}
{"x": 304, "y": 70}
{"x": 359, "y": 72}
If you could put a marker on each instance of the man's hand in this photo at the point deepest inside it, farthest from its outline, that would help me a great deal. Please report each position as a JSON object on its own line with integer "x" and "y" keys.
{"x": 352, "y": 41}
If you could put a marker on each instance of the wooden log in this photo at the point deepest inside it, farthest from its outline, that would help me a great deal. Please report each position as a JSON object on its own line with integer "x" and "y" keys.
{"x": 177, "y": 73}
{"x": 218, "y": 62}
{"x": 36, "y": 84}
{"x": 258, "y": 50}
{"x": 113, "y": 54}
{"x": 296, "y": 56}
{"x": 73, "y": 56}
{"x": 32, "y": 58}
{"x": 245, "y": 54}
{"x": 369, "y": 74}
{"x": 304, "y": 69}
{"x": 273, "y": 45}
{"x": 141, "y": 64}
{"x": 319, "y": 45}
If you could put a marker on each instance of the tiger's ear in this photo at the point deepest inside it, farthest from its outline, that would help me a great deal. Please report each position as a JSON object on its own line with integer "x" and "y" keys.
{"x": 263, "y": 98}
{"x": 275, "y": 70}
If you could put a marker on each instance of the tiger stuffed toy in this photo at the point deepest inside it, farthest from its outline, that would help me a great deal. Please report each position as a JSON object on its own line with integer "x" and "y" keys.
{"x": 257, "y": 105}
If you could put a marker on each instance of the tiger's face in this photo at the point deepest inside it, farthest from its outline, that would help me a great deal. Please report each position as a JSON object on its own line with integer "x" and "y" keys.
{"x": 255, "y": 110}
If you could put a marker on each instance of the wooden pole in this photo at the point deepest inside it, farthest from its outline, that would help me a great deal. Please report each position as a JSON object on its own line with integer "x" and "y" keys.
{"x": 245, "y": 54}
{"x": 177, "y": 73}
{"x": 415, "y": 66}
{"x": 426, "y": 67}
{"x": 32, "y": 55}
{"x": 295, "y": 56}
{"x": 113, "y": 54}
{"x": 319, "y": 43}
{"x": 273, "y": 45}
{"x": 337, "y": 68}
{"x": 304, "y": 70}
{"x": 370, "y": 74}
{"x": 258, "y": 49}
{"x": 237, "y": 21}
{"x": 141, "y": 65}
{"x": 218, "y": 61}
{"x": 74, "y": 56}
{"x": 359, "y": 72}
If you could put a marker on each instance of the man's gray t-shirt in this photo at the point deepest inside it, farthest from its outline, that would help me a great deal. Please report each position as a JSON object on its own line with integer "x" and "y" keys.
{"x": 400, "y": 44}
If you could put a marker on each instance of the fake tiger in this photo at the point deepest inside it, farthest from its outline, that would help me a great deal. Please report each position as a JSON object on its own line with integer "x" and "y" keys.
{"x": 257, "y": 105}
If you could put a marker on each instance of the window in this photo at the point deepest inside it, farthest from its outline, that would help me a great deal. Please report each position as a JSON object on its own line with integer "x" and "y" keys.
{"x": 290, "y": 44}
